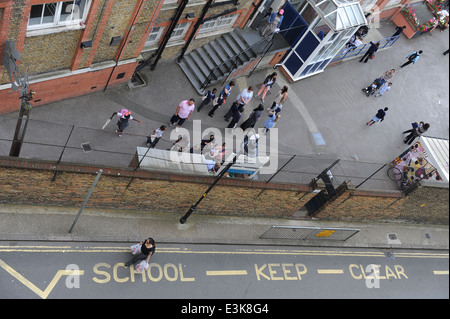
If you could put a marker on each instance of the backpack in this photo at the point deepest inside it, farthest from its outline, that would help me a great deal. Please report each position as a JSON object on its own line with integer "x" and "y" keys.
{"x": 413, "y": 56}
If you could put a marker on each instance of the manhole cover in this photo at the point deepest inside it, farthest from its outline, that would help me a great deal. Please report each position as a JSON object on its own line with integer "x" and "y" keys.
{"x": 87, "y": 147}
{"x": 392, "y": 236}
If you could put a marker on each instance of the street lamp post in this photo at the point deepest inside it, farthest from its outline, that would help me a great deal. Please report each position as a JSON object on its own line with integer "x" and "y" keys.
{"x": 19, "y": 84}
{"x": 218, "y": 177}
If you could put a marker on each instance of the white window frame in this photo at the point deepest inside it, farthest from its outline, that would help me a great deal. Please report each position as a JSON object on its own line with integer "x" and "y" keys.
{"x": 176, "y": 34}
{"x": 57, "y": 21}
{"x": 156, "y": 31}
{"x": 221, "y": 23}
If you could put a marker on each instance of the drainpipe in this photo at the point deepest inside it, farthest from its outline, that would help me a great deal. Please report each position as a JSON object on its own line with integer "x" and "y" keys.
{"x": 196, "y": 27}
{"x": 157, "y": 55}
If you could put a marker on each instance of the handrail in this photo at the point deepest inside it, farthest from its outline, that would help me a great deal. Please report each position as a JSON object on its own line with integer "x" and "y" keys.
{"x": 353, "y": 52}
{"x": 232, "y": 60}
{"x": 235, "y": 57}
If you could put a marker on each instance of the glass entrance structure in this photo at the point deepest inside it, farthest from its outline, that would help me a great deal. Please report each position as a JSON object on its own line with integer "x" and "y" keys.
{"x": 317, "y": 30}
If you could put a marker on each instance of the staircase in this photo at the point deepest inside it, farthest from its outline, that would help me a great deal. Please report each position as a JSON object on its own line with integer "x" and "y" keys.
{"x": 217, "y": 59}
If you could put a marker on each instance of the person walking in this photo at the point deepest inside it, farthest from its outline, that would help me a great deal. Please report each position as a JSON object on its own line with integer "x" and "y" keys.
{"x": 253, "y": 118}
{"x": 222, "y": 97}
{"x": 278, "y": 104}
{"x": 236, "y": 118}
{"x": 148, "y": 248}
{"x": 415, "y": 132}
{"x": 245, "y": 96}
{"x": 124, "y": 120}
{"x": 412, "y": 58}
{"x": 273, "y": 24}
{"x": 153, "y": 139}
{"x": 234, "y": 107}
{"x": 271, "y": 121}
{"x": 267, "y": 85}
{"x": 209, "y": 97}
{"x": 398, "y": 31}
{"x": 183, "y": 112}
{"x": 388, "y": 75}
{"x": 370, "y": 52}
{"x": 379, "y": 117}
{"x": 384, "y": 88}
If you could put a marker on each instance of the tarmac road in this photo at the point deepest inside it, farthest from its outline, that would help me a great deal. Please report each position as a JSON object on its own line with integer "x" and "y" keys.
{"x": 209, "y": 271}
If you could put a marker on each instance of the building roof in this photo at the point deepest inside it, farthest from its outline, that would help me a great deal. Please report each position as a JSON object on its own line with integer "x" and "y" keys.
{"x": 340, "y": 14}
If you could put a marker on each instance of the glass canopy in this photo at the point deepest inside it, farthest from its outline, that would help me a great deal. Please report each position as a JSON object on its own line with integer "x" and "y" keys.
{"x": 340, "y": 14}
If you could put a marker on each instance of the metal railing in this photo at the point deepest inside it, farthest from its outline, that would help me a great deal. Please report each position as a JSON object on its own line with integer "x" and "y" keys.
{"x": 224, "y": 69}
{"x": 304, "y": 233}
{"x": 361, "y": 49}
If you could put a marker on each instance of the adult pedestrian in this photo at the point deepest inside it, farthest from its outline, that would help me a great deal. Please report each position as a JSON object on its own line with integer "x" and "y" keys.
{"x": 245, "y": 96}
{"x": 209, "y": 97}
{"x": 236, "y": 118}
{"x": 412, "y": 58}
{"x": 124, "y": 120}
{"x": 384, "y": 88}
{"x": 415, "y": 132}
{"x": 222, "y": 97}
{"x": 157, "y": 134}
{"x": 148, "y": 248}
{"x": 398, "y": 31}
{"x": 379, "y": 117}
{"x": 271, "y": 121}
{"x": 370, "y": 52}
{"x": 388, "y": 75}
{"x": 273, "y": 24}
{"x": 183, "y": 112}
{"x": 234, "y": 108}
{"x": 253, "y": 118}
{"x": 278, "y": 103}
{"x": 269, "y": 81}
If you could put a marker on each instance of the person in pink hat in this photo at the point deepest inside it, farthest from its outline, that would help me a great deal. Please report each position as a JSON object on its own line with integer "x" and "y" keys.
{"x": 274, "y": 23}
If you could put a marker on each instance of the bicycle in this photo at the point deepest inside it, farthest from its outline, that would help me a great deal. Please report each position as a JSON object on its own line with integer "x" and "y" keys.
{"x": 401, "y": 177}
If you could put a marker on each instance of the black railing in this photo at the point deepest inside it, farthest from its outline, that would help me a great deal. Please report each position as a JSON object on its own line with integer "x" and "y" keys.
{"x": 228, "y": 66}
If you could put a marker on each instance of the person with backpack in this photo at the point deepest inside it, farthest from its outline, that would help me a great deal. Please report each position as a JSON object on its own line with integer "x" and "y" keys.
{"x": 412, "y": 58}
{"x": 124, "y": 118}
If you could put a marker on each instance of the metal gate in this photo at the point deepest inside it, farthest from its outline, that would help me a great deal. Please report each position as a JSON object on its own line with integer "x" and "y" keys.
{"x": 292, "y": 232}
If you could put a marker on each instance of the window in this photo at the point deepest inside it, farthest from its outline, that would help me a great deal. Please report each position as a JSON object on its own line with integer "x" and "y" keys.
{"x": 179, "y": 31}
{"x": 58, "y": 14}
{"x": 219, "y": 23}
{"x": 154, "y": 36}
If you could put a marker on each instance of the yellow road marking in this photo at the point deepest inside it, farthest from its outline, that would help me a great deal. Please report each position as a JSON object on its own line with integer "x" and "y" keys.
{"x": 43, "y": 294}
{"x": 226, "y": 272}
{"x": 330, "y": 271}
{"x": 68, "y": 249}
{"x": 440, "y": 272}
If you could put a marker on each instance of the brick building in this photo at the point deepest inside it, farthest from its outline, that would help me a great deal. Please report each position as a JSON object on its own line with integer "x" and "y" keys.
{"x": 76, "y": 47}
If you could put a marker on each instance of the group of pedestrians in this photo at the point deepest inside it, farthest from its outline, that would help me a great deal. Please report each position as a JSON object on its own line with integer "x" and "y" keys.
{"x": 234, "y": 113}
{"x": 384, "y": 83}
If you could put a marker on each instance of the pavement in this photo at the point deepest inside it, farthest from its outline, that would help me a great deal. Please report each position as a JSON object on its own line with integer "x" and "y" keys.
{"x": 330, "y": 104}
{"x": 42, "y": 223}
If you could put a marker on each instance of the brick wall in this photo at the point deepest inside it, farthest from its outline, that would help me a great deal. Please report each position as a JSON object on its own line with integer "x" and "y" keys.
{"x": 30, "y": 182}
